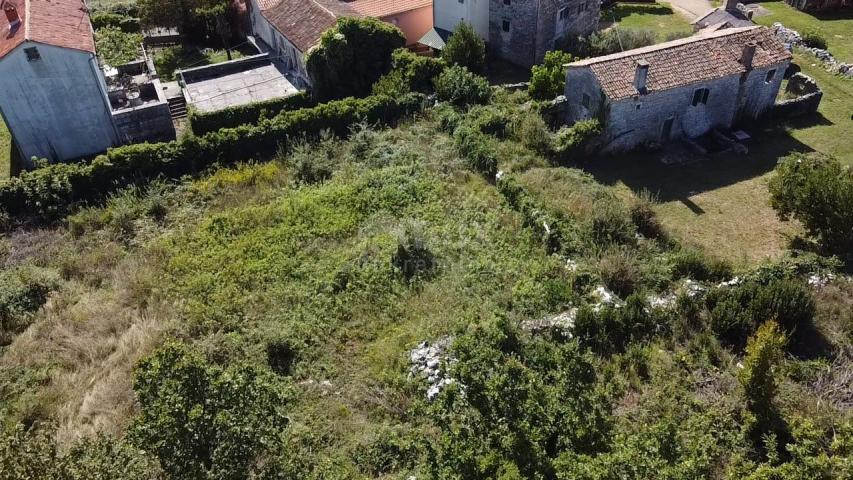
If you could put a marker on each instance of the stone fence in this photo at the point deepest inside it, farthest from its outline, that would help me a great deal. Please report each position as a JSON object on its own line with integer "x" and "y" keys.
{"x": 807, "y": 102}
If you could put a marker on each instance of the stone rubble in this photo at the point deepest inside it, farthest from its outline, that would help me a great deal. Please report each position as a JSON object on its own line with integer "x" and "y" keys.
{"x": 794, "y": 39}
{"x": 562, "y": 323}
{"x": 606, "y": 298}
{"x": 820, "y": 280}
{"x": 426, "y": 360}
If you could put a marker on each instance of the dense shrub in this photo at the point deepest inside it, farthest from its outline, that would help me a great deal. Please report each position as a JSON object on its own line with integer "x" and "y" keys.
{"x": 548, "y": 80}
{"x": 692, "y": 263}
{"x": 51, "y": 191}
{"x": 814, "y": 39}
{"x": 109, "y": 19}
{"x": 489, "y": 119}
{"x": 116, "y": 47}
{"x": 609, "y": 330}
{"x": 202, "y": 421}
{"x": 555, "y": 230}
{"x": 818, "y": 192}
{"x": 524, "y": 401}
{"x": 203, "y": 123}
{"x": 413, "y": 258}
{"x": 477, "y": 150}
{"x": 465, "y": 49}
{"x": 619, "y": 272}
{"x": 737, "y": 311}
{"x": 352, "y": 56}
{"x": 610, "y": 224}
{"x": 644, "y": 216}
{"x": 22, "y": 291}
{"x": 460, "y": 87}
{"x": 529, "y": 128}
{"x": 764, "y": 352}
{"x": 409, "y": 73}
{"x": 384, "y": 451}
{"x": 572, "y": 143}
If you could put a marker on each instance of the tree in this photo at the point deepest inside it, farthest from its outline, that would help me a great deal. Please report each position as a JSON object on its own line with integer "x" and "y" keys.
{"x": 817, "y": 191}
{"x": 352, "y": 56}
{"x": 465, "y": 48}
{"x": 116, "y": 47}
{"x": 460, "y": 87}
{"x": 202, "y": 421}
{"x": 763, "y": 354}
{"x": 205, "y": 17}
{"x": 549, "y": 79}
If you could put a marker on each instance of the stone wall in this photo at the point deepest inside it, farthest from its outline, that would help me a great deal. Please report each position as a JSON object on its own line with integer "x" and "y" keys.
{"x": 794, "y": 39}
{"x": 806, "y": 103}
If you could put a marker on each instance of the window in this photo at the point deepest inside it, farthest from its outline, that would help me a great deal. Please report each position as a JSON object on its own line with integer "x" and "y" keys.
{"x": 770, "y": 76}
{"x": 564, "y": 13}
{"x": 700, "y": 96}
{"x": 580, "y": 9}
{"x": 507, "y": 2}
{"x": 32, "y": 54}
{"x": 585, "y": 101}
{"x": 506, "y": 25}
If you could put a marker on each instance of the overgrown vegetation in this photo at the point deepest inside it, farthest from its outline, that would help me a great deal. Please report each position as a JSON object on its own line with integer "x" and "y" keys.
{"x": 466, "y": 49}
{"x": 116, "y": 47}
{"x": 548, "y": 80}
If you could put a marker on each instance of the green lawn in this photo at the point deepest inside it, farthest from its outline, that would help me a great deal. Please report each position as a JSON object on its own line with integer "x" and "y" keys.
{"x": 837, "y": 28}
{"x": 659, "y": 17}
{"x": 170, "y": 59}
{"x": 5, "y": 146}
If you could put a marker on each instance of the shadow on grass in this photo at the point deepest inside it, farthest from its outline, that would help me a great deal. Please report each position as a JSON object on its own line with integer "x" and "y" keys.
{"x": 811, "y": 120}
{"x": 840, "y": 14}
{"x": 622, "y": 10}
{"x": 644, "y": 171}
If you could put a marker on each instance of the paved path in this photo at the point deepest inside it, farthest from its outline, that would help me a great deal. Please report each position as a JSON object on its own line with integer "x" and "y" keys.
{"x": 691, "y": 8}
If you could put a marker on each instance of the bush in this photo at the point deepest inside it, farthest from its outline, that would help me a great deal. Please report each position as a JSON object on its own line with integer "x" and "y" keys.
{"x": 644, "y": 217}
{"x": 413, "y": 258}
{"x": 22, "y": 291}
{"x": 610, "y": 330}
{"x": 619, "y": 272}
{"x": 548, "y": 80}
{"x": 814, "y": 39}
{"x": 460, "y": 87}
{"x": 352, "y": 56}
{"x": 817, "y": 191}
{"x": 610, "y": 224}
{"x": 203, "y": 123}
{"x": 465, "y": 49}
{"x": 51, "y": 191}
{"x": 763, "y": 354}
{"x": 529, "y": 128}
{"x": 204, "y": 422}
{"x": 489, "y": 119}
{"x": 693, "y": 264}
{"x": 409, "y": 73}
{"x": 115, "y": 20}
{"x": 737, "y": 311}
{"x": 477, "y": 150}
{"x": 572, "y": 143}
{"x": 116, "y": 47}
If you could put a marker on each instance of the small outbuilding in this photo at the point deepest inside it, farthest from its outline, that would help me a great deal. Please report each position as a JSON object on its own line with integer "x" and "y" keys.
{"x": 683, "y": 88}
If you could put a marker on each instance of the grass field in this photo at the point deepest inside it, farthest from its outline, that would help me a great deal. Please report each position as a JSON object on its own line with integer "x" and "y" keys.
{"x": 659, "y": 17}
{"x": 5, "y": 145}
{"x": 837, "y": 28}
{"x": 722, "y": 203}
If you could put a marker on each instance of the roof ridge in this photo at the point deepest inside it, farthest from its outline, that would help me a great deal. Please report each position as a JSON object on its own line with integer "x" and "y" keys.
{"x": 664, "y": 46}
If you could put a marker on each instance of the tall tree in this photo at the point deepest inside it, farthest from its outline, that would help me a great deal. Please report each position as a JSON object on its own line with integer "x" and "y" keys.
{"x": 465, "y": 48}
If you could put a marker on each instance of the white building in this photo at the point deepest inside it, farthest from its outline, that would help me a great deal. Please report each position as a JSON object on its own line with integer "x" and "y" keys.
{"x": 53, "y": 96}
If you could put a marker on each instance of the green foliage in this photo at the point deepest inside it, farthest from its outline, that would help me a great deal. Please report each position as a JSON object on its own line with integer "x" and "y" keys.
{"x": 352, "y": 56}
{"x": 466, "y": 49}
{"x": 818, "y": 192}
{"x": 554, "y": 230}
{"x": 384, "y": 451}
{"x": 476, "y": 148}
{"x": 737, "y": 311}
{"x": 202, "y": 421}
{"x": 203, "y": 123}
{"x": 610, "y": 224}
{"x": 409, "y": 73}
{"x": 814, "y": 39}
{"x": 125, "y": 23}
{"x": 525, "y": 401}
{"x": 764, "y": 352}
{"x": 35, "y": 454}
{"x": 413, "y": 259}
{"x": 612, "y": 40}
{"x": 116, "y": 47}
{"x": 460, "y": 87}
{"x": 610, "y": 330}
{"x": 52, "y": 191}
{"x": 548, "y": 80}
{"x": 691, "y": 263}
{"x": 572, "y": 143}
{"x": 22, "y": 291}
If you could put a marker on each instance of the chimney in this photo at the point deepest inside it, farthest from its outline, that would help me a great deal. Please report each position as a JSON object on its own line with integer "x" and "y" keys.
{"x": 748, "y": 54}
{"x": 749, "y": 14}
{"x": 731, "y": 5}
{"x": 12, "y": 14}
{"x": 641, "y": 76}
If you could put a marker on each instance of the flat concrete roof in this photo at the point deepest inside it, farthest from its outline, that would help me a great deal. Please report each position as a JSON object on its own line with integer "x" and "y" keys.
{"x": 264, "y": 82}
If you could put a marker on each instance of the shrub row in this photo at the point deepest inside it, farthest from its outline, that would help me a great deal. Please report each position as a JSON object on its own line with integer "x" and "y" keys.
{"x": 203, "y": 123}
{"x": 553, "y": 228}
{"x": 474, "y": 146}
{"x": 572, "y": 143}
{"x": 49, "y": 192}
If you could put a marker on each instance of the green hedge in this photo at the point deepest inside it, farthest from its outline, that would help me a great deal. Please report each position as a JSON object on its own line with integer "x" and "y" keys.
{"x": 50, "y": 191}
{"x": 203, "y": 123}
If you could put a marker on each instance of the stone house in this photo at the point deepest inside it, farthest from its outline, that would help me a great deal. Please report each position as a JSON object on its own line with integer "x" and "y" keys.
{"x": 678, "y": 89}
{"x": 53, "y": 95}
{"x": 291, "y": 28}
{"x": 519, "y": 31}
{"x": 819, "y": 5}
{"x": 731, "y": 15}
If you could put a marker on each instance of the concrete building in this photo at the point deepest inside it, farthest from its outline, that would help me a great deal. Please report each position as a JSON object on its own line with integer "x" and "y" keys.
{"x": 53, "y": 95}
{"x": 678, "y": 89}
{"x": 519, "y": 31}
{"x": 819, "y": 5}
{"x": 291, "y": 28}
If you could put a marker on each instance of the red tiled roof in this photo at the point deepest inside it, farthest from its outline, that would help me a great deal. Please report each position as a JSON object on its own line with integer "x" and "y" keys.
{"x": 61, "y": 23}
{"x": 686, "y": 61}
{"x": 304, "y": 21}
{"x": 383, "y": 8}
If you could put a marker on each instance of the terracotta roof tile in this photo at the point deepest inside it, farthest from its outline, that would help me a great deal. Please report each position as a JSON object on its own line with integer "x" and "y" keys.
{"x": 304, "y": 21}
{"x": 62, "y": 23}
{"x": 384, "y": 8}
{"x": 685, "y": 61}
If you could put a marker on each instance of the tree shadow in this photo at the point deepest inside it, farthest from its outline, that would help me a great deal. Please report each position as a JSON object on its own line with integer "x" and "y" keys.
{"x": 810, "y": 120}
{"x": 644, "y": 171}
{"x": 621, "y": 11}
{"x": 840, "y": 14}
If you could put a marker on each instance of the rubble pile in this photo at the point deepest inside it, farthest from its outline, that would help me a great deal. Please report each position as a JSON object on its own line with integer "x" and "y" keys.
{"x": 426, "y": 361}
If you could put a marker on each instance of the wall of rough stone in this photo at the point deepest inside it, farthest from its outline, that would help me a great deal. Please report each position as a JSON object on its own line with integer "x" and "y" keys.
{"x": 806, "y": 103}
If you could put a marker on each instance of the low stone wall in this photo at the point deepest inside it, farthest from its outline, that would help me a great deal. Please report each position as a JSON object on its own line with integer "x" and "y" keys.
{"x": 806, "y": 103}
{"x": 794, "y": 39}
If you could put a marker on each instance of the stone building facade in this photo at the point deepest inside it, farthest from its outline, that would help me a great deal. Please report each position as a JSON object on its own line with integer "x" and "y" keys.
{"x": 678, "y": 89}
